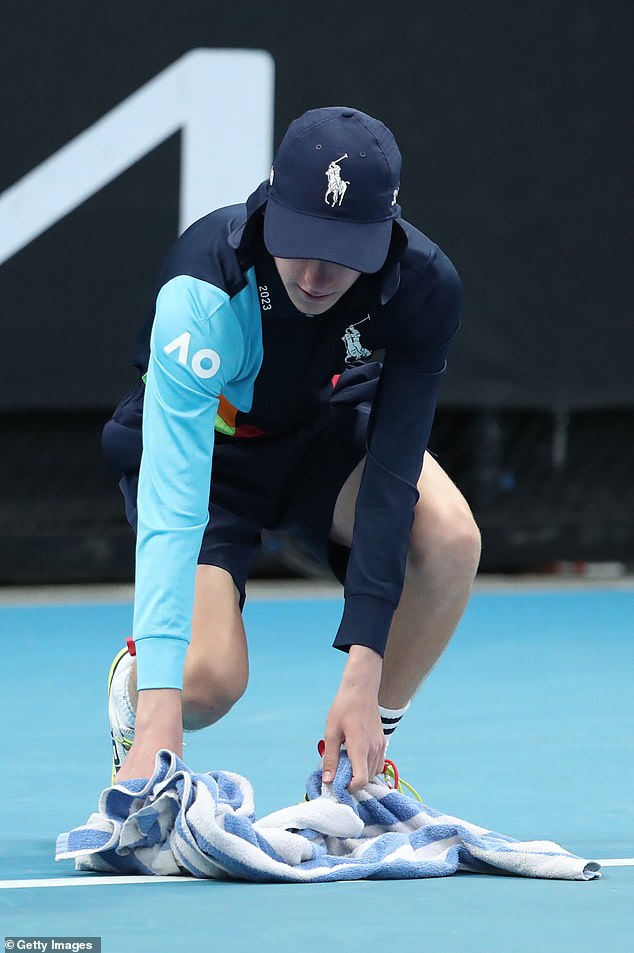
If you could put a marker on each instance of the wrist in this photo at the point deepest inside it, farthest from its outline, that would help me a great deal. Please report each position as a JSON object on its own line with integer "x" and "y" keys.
{"x": 363, "y": 669}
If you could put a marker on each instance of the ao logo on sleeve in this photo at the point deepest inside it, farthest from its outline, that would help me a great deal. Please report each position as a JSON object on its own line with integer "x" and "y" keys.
{"x": 205, "y": 363}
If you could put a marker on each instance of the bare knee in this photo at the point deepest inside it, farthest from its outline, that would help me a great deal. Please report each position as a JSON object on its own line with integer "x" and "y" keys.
{"x": 210, "y": 690}
{"x": 217, "y": 661}
{"x": 445, "y": 541}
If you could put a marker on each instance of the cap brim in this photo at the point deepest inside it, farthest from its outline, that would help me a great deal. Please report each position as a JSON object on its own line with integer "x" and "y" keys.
{"x": 360, "y": 246}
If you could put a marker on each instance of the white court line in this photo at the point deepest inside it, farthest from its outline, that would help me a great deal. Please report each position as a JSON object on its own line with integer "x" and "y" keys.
{"x": 88, "y": 881}
{"x": 116, "y": 881}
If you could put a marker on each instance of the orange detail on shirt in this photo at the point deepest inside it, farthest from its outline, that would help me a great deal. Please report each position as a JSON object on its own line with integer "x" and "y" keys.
{"x": 227, "y": 413}
{"x": 226, "y": 421}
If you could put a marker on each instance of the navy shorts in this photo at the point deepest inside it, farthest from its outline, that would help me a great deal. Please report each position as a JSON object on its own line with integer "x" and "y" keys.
{"x": 288, "y": 482}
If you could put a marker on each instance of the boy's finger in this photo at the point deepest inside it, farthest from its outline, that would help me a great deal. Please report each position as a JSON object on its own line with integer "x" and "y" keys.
{"x": 331, "y": 760}
{"x": 360, "y": 774}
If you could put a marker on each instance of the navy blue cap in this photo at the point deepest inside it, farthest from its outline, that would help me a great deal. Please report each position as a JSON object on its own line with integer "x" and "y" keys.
{"x": 333, "y": 190}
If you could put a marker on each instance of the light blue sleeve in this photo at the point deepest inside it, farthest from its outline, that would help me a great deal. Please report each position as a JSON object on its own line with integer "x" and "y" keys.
{"x": 197, "y": 347}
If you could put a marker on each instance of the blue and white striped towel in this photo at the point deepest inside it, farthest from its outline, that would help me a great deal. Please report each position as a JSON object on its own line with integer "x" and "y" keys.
{"x": 204, "y": 825}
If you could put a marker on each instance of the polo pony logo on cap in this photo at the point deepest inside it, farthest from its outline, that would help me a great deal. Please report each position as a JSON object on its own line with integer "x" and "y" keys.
{"x": 336, "y": 185}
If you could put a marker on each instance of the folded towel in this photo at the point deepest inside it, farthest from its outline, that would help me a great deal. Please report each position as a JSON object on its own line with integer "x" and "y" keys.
{"x": 204, "y": 825}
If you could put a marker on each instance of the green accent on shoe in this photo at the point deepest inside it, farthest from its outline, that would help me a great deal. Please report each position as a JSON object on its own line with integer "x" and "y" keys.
{"x": 115, "y": 662}
{"x": 125, "y": 743}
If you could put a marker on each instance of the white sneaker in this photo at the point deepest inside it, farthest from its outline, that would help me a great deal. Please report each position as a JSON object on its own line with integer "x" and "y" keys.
{"x": 120, "y": 713}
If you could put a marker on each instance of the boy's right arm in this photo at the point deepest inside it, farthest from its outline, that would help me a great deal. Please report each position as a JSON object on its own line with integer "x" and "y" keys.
{"x": 195, "y": 350}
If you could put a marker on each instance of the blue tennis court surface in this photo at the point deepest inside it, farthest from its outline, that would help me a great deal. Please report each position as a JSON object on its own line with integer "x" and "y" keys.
{"x": 525, "y": 726}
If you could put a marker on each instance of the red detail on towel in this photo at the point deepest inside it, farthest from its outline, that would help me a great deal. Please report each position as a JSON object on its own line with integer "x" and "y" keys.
{"x": 131, "y": 647}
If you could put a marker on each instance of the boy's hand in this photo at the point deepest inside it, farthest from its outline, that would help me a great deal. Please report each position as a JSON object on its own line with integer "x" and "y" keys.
{"x": 354, "y": 720}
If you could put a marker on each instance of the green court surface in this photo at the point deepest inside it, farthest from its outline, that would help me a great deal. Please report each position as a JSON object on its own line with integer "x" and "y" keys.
{"x": 526, "y": 726}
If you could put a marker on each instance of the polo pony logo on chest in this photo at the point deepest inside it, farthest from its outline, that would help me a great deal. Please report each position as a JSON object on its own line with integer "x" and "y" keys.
{"x": 355, "y": 351}
{"x": 336, "y": 185}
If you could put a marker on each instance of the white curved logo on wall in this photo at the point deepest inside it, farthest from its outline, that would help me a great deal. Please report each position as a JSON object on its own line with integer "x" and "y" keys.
{"x": 220, "y": 100}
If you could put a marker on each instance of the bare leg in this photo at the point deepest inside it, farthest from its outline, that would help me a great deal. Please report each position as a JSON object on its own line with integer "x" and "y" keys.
{"x": 442, "y": 562}
{"x": 217, "y": 663}
{"x": 215, "y": 675}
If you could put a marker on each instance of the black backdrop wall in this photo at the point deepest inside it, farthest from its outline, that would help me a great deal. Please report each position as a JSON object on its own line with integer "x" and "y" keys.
{"x": 512, "y": 122}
